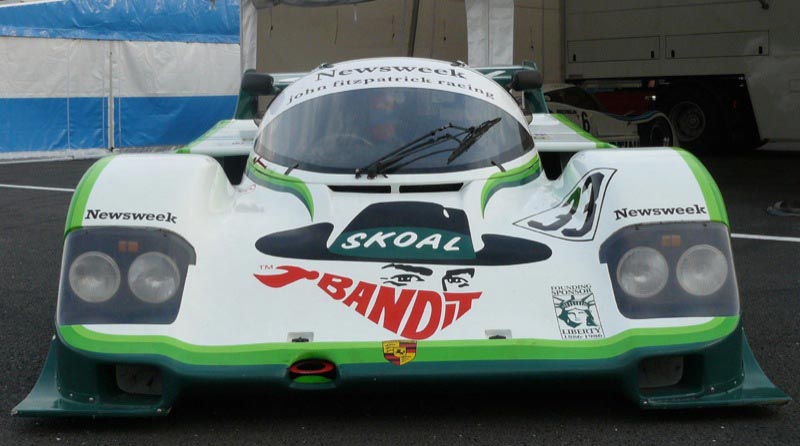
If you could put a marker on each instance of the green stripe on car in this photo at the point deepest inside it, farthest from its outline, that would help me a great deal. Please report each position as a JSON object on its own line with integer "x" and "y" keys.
{"x": 77, "y": 206}
{"x": 515, "y": 177}
{"x": 566, "y": 121}
{"x": 188, "y": 148}
{"x": 82, "y": 338}
{"x": 282, "y": 183}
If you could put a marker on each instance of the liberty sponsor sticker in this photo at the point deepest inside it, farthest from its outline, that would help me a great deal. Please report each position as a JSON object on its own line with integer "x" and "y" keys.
{"x": 576, "y": 312}
{"x": 399, "y": 352}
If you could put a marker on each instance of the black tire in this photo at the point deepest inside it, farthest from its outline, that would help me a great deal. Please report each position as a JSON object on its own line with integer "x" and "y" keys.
{"x": 697, "y": 118}
{"x": 656, "y": 133}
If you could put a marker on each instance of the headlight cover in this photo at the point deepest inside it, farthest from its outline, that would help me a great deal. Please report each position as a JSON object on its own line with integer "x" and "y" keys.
{"x": 154, "y": 277}
{"x": 702, "y": 270}
{"x": 94, "y": 277}
{"x": 151, "y": 267}
{"x": 699, "y": 280}
{"x": 642, "y": 272}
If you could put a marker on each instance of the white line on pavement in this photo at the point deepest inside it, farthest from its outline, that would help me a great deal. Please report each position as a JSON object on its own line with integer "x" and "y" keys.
{"x": 52, "y": 189}
{"x": 772, "y": 238}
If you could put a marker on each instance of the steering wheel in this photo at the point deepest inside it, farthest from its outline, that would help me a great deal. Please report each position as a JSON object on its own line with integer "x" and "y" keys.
{"x": 345, "y": 140}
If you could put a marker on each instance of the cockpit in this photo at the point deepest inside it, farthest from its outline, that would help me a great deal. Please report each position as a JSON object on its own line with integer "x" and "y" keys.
{"x": 392, "y": 129}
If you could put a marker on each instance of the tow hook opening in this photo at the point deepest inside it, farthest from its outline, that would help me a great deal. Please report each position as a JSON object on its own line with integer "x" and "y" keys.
{"x": 312, "y": 371}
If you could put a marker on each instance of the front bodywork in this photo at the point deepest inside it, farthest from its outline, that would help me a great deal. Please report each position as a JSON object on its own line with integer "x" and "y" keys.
{"x": 492, "y": 274}
{"x": 723, "y": 369}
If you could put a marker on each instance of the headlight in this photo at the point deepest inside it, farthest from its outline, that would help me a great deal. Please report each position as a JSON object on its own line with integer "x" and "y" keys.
{"x": 702, "y": 270}
{"x": 94, "y": 277}
{"x": 642, "y": 272}
{"x": 663, "y": 270}
{"x": 120, "y": 275}
{"x": 154, "y": 277}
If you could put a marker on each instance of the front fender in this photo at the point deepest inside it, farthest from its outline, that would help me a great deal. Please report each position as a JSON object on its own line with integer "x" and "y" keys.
{"x": 173, "y": 192}
{"x": 650, "y": 185}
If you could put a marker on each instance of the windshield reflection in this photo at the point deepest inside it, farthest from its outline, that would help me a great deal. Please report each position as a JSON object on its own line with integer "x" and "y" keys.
{"x": 343, "y": 131}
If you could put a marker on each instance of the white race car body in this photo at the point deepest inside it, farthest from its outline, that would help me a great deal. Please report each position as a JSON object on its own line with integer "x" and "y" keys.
{"x": 460, "y": 263}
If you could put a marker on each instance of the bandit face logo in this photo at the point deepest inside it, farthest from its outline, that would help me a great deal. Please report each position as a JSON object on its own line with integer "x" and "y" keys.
{"x": 575, "y": 218}
{"x": 400, "y": 275}
{"x": 397, "y": 238}
{"x": 576, "y": 312}
{"x": 404, "y": 303}
{"x": 399, "y": 352}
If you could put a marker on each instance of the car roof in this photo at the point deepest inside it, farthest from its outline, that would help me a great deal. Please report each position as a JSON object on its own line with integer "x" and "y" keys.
{"x": 391, "y": 72}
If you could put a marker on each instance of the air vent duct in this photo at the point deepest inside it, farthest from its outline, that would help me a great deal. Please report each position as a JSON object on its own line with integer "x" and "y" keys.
{"x": 362, "y": 189}
{"x": 408, "y": 189}
{"x": 450, "y": 187}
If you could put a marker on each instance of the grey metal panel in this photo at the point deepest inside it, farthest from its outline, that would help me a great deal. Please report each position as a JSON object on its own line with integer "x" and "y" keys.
{"x": 608, "y": 50}
{"x": 733, "y": 44}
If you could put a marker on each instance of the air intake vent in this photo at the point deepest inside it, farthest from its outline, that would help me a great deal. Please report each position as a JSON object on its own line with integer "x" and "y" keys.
{"x": 452, "y": 187}
{"x": 362, "y": 189}
{"x": 417, "y": 188}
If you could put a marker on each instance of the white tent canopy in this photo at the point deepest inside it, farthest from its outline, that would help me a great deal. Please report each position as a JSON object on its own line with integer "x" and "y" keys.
{"x": 83, "y": 74}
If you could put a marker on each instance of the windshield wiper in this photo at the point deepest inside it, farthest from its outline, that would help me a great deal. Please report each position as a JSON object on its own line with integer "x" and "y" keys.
{"x": 384, "y": 163}
{"x": 473, "y": 135}
{"x": 392, "y": 160}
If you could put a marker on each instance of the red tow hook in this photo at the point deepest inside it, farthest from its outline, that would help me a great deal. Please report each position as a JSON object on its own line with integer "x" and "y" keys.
{"x": 312, "y": 367}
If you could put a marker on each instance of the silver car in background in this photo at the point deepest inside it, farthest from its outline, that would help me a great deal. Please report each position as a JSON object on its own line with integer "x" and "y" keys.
{"x": 579, "y": 107}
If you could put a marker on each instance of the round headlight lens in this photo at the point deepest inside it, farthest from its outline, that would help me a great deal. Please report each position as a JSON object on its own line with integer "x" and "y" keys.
{"x": 702, "y": 270}
{"x": 642, "y": 272}
{"x": 154, "y": 277}
{"x": 94, "y": 277}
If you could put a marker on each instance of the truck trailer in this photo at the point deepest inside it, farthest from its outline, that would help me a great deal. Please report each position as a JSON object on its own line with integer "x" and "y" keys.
{"x": 726, "y": 72}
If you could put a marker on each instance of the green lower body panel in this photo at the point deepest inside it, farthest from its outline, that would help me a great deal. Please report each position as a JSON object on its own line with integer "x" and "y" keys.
{"x": 718, "y": 372}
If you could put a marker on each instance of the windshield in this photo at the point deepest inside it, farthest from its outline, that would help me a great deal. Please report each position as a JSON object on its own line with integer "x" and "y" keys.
{"x": 342, "y": 132}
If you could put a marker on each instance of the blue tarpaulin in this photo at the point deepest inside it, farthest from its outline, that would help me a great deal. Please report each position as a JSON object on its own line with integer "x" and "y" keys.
{"x": 81, "y": 74}
{"x": 154, "y": 20}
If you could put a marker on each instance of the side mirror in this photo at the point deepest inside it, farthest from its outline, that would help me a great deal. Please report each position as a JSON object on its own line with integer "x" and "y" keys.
{"x": 526, "y": 80}
{"x": 257, "y": 84}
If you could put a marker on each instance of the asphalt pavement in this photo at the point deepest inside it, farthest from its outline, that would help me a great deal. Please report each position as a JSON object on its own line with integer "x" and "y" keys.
{"x": 31, "y": 233}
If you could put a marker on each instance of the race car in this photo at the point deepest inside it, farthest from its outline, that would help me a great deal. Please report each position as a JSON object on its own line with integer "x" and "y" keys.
{"x": 393, "y": 227}
{"x": 577, "y": 107}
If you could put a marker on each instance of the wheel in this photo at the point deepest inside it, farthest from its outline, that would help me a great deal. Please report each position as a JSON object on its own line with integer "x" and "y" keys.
{"x": 656, "y": 133}
{"x": 690, "y": 121}
{"x": 696, "y": 117}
